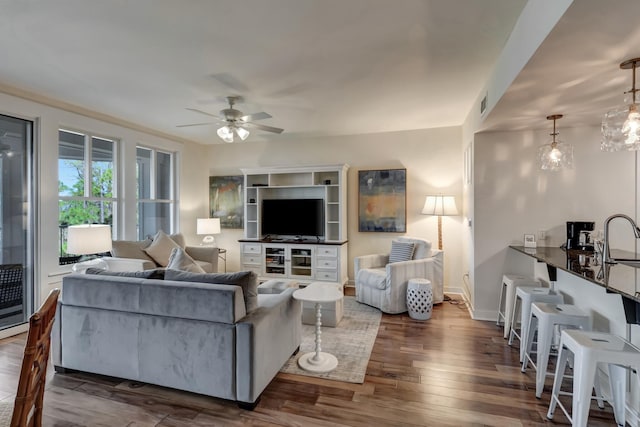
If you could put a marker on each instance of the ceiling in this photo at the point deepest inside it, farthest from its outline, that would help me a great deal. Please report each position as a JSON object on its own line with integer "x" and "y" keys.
{"x": 319, "y": 67}
{"x": 575, "y": 71}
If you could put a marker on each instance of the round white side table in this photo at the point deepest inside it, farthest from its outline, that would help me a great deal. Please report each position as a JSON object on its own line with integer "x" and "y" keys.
{"x": 318, "y": 293}
{"x": 420, "y": 299}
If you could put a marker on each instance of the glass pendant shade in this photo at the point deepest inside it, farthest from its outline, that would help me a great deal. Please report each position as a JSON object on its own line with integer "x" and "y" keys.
{"x": 242, "y": 133}
{"x": 225, "y": 133}
{"x": 621, "y": 126}
{"x": 621, "y": 129}
{"x": 555, "y": 155}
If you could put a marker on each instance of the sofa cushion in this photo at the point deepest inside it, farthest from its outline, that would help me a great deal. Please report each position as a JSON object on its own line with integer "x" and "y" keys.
{"x": 401, "y": 251}
{"x": 161, "y": 247}
{"x": 372, "y": 277}
{"x": 157, "y": 273}
{"x": 131, "y": 249}
{"x": 247, "y": 280}
{"x": 180, "y": 260}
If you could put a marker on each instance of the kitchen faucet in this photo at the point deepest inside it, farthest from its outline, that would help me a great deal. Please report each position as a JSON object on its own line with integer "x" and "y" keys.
{"x": 606, "y": 255}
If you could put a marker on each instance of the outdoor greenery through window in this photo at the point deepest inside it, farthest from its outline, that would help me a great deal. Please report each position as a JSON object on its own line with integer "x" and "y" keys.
{"x": 86, "y": 182}
{"x": 155, "y": 191}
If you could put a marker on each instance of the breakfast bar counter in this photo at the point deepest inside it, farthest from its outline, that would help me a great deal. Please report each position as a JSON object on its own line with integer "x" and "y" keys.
{"x": 614, "y": 278}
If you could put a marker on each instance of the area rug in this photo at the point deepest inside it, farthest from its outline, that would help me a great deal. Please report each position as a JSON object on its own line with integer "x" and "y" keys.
{"x": 351, "y": 342}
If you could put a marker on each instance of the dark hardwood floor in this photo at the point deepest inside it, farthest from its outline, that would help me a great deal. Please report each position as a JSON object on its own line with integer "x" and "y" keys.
{"x": 447, "y": 371}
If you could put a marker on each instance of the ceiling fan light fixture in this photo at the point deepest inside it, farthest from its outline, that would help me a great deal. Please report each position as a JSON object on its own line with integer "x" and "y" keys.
{"x": 242, "y": 133}
{"x": 621, "y": 125}
{"x": 556, "y": 155}
{"x": 225, "y": 133}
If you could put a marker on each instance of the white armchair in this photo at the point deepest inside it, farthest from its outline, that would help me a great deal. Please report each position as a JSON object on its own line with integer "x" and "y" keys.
{"x": 384, "y": 285}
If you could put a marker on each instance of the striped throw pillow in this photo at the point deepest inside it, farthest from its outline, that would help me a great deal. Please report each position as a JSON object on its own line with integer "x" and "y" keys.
{"x": 401, "y": 251}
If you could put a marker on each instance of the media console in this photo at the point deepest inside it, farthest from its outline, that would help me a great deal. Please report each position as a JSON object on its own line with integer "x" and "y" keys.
{"x": 303, "y": 261}
{"x": 317, "y": 258}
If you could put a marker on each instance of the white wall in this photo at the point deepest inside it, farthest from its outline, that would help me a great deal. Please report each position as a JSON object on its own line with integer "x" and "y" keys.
{"x": 512, "y": 197}
{"x": 433, "y": 159}
{"x": 192, "y": 189}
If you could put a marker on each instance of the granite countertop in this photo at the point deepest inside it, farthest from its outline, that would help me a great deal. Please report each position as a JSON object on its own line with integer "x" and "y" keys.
{"x": 618, "y": 278}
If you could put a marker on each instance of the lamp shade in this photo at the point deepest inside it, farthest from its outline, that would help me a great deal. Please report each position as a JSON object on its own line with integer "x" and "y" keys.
{"x": 621, "y": 125}
{"x": 208, "y": 226}
{"x": 440, "y": 206}
{"x": 87, "y": 239}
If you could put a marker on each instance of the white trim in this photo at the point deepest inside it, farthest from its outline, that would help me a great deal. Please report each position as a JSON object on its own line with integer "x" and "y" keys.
{"x": 9, "y": 332}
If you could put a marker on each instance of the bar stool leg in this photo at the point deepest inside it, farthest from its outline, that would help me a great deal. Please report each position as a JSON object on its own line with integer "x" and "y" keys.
{"x": 598, "y": 389}
{"x": 508, "y": 309}
{"x": 545, "y": 335}
{"x": 528, "y": 344}
{"x": 557, "y": 380}
{"x": 500, "y": 301}
{"x": 584, "y": 373}
{"x": 513, "y": 323}
{"x": 618, "y": 383}
{"x": 524, "y": 330}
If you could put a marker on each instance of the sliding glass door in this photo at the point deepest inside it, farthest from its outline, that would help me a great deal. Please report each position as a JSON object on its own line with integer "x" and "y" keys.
{"x": 16, "y": 224}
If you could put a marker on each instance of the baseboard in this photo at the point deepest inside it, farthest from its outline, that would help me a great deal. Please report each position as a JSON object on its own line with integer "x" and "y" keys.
{"x": 488, "y": 315}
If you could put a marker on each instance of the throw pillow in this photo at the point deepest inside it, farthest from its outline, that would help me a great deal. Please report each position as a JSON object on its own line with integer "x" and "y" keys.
{"x": 146, "y": 274}
{"x": 130, "y": 249}
{"x": 401, "y": 251}
{"x": 161, "y": 247}
{"x": 247, "y": 280}
{"x": 180, "y": 260}
{"x": 179, "y": 239}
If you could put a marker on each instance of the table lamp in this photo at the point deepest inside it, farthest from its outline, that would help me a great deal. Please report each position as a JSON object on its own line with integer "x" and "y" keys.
{"x": 207, "y": 227}
{"x": 441, "y": 206}
{"x": 88, "y": 240}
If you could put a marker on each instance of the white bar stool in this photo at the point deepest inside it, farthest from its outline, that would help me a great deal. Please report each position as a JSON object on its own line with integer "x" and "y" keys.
{"x": 527, "y": 295}
{"x": 507, "y": 297}
{"x": 589, "y": 349}
{"x": 544, "y": 318}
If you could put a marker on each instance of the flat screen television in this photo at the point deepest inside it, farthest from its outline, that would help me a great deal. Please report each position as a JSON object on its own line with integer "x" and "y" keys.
{"x": 293, "y": 217}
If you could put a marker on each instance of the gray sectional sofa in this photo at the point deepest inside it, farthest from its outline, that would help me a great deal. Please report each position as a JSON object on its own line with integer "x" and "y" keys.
{"x": 186, "y": 335}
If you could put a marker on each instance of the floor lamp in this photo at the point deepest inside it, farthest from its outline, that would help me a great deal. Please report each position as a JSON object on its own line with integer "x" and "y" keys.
{"x": 440, "y": 206}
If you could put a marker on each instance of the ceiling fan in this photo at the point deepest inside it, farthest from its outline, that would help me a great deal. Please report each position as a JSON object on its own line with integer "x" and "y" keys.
{"x": 235, "y": 122}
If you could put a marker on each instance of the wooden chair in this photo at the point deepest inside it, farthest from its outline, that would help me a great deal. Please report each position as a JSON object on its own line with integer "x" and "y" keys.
{"x": 27, "y": 408}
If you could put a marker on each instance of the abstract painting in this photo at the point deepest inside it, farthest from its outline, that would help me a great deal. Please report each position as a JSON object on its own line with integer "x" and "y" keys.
{"x": 382, "y": 201}
{"x": 225, "y": 200}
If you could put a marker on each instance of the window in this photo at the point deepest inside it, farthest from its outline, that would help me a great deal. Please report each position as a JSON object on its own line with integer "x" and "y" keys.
{"x": 155, "y": 192}
{"x": 86, "y": 182}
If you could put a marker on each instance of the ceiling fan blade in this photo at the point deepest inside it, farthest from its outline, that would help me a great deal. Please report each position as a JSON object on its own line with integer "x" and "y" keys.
{"x": 205, "y": 113}
{"x": 266, "y": 128}
{"x": 255, "y": 116}
{"x": 194, "y": 124}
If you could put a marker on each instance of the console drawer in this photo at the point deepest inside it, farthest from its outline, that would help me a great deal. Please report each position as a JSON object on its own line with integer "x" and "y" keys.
{"x": 251, "y": 248}
{"x": 249, "y": 259}
{"x": 327, "y": 251}
{"x": 327, "y": 263}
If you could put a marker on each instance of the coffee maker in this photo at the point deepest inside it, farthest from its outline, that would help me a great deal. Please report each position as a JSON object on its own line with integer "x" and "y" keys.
{"x": 579, "y": 235}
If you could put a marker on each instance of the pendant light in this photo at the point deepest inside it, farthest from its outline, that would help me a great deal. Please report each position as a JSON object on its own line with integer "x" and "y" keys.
{"x": 621, "y": 126}
{"x": 556, "y": 155}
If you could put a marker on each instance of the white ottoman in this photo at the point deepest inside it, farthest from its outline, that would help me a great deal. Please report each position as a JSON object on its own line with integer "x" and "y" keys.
{"x": 419, "y": 299}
